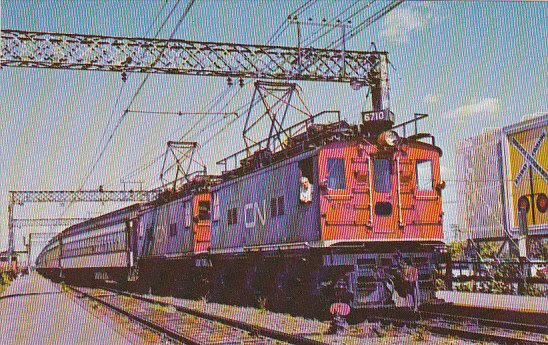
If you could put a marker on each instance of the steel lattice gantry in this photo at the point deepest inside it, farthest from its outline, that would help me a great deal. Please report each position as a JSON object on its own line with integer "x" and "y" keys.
{"x": 43, "y": 222}
{"x": 22, "y": 197}
{"x": 147, "y": 55}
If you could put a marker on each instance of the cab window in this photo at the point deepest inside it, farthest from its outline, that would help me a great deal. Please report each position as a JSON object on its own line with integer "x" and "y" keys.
{"x": 203, "y": 210}
{"x": 425, "y": 180}
{"x": 336, "y": 176}
{"x": 381, "y": 173}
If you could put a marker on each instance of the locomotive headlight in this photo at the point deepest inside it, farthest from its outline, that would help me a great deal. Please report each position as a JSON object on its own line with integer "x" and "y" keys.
{"x": 389, "y": 138}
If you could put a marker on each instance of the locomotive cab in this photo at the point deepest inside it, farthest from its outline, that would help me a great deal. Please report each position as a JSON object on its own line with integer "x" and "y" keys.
{"x": 380, "y": 197}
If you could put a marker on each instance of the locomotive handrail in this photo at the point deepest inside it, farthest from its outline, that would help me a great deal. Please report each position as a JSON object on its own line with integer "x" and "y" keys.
{"x": 414, "y": 120}
{"x": 259, "y": 144}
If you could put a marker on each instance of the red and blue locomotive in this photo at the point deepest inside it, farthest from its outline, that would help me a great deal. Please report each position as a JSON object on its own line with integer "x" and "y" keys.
{"x": 332, "y": 205}
{"x": 338, "y": 201}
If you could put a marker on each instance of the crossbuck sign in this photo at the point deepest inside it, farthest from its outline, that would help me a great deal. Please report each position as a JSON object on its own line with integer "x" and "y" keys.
{"x": 529, "y": 158}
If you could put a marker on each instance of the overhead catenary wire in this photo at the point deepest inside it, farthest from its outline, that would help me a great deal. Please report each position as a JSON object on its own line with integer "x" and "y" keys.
{"x": 212, "y": 104}
{"x": 123, "y": 85}
{"x": 156, "y": 18}
{"x": 139, "y": 89}
{"x": 197, "y": 128}
{"x": 370, "y": 20}
{"x": 332, "y": 24}
{"x": 274, "y": 37}
{"x": 180, "y": 113}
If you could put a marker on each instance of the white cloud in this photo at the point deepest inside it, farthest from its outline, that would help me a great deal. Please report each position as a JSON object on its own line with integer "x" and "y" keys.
{"x": 533, "y": 115}
{"x": 486, "y": 106}
{"x": 401, "y": 22}
{"x": 431, "y": 99}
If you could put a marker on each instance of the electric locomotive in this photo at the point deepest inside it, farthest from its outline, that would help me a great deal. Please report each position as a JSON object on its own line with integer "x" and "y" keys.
{"x": 174, "y": 239}
{"x": 338, "y": 202}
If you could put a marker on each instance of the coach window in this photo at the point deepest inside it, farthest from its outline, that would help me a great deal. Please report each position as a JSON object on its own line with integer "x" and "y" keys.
{"x": 381, "y": 174}
{"x": 203, "y": 210}
{"x": 425, "y": 180}
{"x": 336, "y": 176}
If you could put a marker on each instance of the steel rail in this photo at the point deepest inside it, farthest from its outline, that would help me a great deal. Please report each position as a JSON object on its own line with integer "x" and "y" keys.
{"x": 144, "y": 322}
{"x": 478, "y": 334}
{"x": 517, "y": 326}
{"x": 265, "y": 332}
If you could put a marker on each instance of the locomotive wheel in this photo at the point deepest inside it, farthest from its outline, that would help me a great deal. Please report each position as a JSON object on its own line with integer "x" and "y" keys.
{"x": 224, "y": 284}
{"x": 201, "y": 285}
{"x": 282, "y": 290}
{"x": 251, "y": 292}
{"x": 314, "y": 294}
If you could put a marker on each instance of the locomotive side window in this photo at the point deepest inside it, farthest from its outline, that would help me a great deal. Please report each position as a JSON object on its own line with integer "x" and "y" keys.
{"x": 273, "y": 207}
{"x": 424, "y": 175}
{"x": 305, "y": 166}
{"x": 277, "y": 206}
{"x": 336, "y": 176}
{"x": 381, "y": 174}
{"x": 281, "y": 206}
{"x": 232, "y": 216}
{"x": 203, "y": 210}
{"x": 173, "y": 229}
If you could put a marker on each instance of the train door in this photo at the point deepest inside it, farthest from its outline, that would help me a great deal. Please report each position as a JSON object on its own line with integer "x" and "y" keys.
{"x": 336, "y": 196}
{"x": 202, "y": 232}
{"x": 384, "y": 196}
{"x": 428, "y": 208}
{"x": 405, "y": 190}
{"x": 362, "y": 200}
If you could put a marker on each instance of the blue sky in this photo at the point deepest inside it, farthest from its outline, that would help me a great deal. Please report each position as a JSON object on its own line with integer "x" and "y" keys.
{"x": 470, "y": 65}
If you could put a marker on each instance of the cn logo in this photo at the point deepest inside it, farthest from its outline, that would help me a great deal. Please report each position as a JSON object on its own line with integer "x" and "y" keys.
{"x": 252, "y": 212}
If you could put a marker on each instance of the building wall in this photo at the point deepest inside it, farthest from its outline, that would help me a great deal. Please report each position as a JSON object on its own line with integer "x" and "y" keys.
{"x": 496, "y": 169}
{"x": 480, "y": 170}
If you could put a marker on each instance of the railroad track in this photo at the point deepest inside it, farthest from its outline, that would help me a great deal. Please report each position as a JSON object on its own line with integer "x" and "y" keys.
{"x": 187, "y": 326}
{"x": 472, "y": 328}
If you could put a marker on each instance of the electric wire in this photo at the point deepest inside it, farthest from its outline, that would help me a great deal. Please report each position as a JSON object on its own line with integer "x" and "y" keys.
{"x": 274, "y": 37}
{"x": 120, "y": 120}
{"x": 139, "y": 88}
{"x": 311, "y": 40}
{"x": 156, "y": 18}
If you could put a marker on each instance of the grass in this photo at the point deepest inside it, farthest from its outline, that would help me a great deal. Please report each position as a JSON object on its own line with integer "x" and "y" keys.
{"x": 64, "y": 287}
{"x": 262, "y": 304}
{"x": 420, "y": 334}
{"x": 163, "y": 308}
